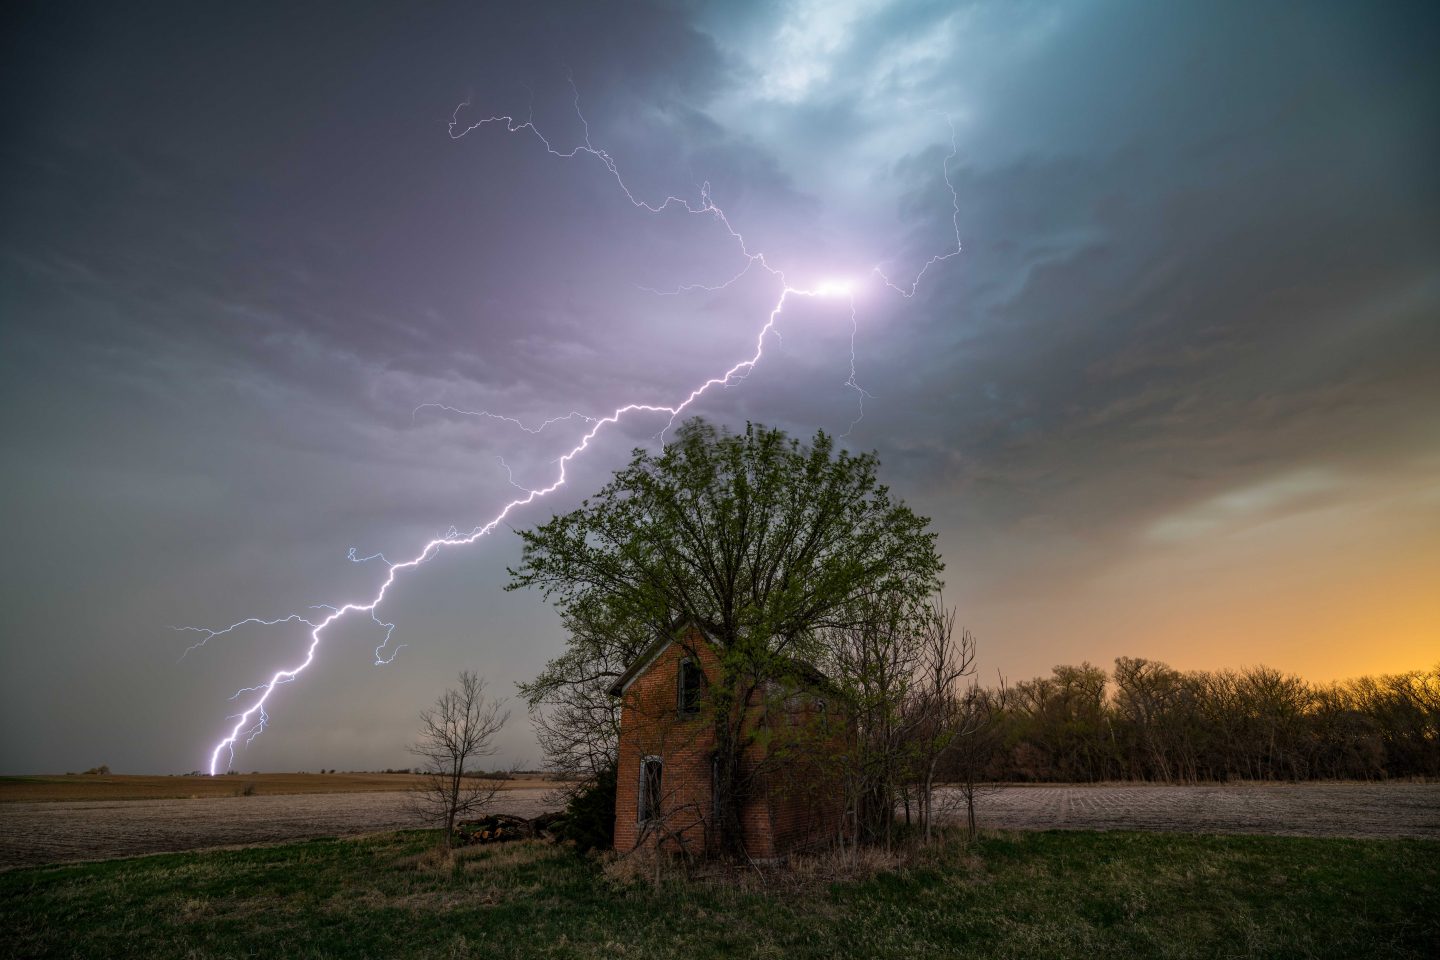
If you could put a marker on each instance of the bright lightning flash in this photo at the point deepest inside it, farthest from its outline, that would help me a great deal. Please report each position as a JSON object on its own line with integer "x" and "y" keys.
{"x": 251, "y": 722}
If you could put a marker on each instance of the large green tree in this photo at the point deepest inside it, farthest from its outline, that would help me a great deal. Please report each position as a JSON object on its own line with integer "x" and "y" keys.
{"x": 765, "y": 543}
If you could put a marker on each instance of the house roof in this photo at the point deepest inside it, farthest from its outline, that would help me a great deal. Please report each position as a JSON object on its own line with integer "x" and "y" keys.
{"x": 647, "y": 656}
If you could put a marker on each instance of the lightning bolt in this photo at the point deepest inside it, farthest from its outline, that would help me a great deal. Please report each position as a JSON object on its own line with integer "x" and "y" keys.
{"x": 572, "y": 415}
{"x": 206, "y": 634}
{"x": 254, "y": 719}
{"x": 908, "y": 291}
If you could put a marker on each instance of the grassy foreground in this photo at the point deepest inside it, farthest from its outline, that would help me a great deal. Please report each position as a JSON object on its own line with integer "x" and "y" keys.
{"x": 1058, "y": 894}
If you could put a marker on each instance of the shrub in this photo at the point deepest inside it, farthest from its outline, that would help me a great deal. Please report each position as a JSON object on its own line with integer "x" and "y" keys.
{"x": 590, "y": 815}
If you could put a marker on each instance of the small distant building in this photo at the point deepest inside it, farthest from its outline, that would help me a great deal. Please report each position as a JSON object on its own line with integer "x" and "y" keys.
{"x": 791, "y": 763}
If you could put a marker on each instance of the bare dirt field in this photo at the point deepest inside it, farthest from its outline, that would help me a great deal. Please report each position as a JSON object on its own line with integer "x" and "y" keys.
{"x": 73, "y": 786}
{"x": 34, "y": 833}
{"x": 1294, "y": 809}
{"x": 60, "y": 831}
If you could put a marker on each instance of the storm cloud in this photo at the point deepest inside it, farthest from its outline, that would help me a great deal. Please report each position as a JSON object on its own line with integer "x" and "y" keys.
{"x": 1178, "y": 396}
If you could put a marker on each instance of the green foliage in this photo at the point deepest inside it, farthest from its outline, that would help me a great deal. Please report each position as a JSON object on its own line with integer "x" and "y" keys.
{"x": 590, "y": 815}
{"x": 757, "y": 539}
{"x": 1055, "y": 895}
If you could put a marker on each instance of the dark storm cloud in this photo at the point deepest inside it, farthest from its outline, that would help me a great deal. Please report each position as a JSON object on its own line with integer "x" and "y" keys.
{"x": 239, "y": 248}
{"x": 1237, "y": 241}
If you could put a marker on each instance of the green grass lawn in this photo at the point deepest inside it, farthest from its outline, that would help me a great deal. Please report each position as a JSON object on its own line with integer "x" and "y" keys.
{"x": 1059, "y": 894}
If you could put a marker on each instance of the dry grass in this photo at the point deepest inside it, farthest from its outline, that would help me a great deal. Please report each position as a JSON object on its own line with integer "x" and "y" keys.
{"x": 436, "y": 860}
{"x": 1064, "y": 895}
{"x": 39, "y": 789}
{"x": 797, "y": 872}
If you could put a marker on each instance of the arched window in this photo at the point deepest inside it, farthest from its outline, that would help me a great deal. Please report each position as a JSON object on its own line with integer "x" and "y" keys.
{"x": 651, "y": 780}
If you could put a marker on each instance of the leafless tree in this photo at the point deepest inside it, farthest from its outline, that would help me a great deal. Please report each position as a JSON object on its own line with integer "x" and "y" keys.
{"x": 459, "y": 729}
{"x": 1253, "y": 723}
{"x": 576, "y": 720}
{"x": 874, "y": 661}
{"x": 936, "y": 705}
{"x": 899, "y": 669}
{"x": 982, "y": 715}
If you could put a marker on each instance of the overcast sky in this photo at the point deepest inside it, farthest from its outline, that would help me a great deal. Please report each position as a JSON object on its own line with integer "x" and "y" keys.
{"x": 1178, "y": 397}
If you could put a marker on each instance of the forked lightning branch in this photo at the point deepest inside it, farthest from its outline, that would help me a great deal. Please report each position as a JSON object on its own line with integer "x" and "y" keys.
{"x": 254, "y": 718}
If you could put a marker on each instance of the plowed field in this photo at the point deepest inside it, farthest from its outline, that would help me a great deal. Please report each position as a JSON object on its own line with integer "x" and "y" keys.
{"x": 56, "y": 831}
{"x": 1295, "y": 809}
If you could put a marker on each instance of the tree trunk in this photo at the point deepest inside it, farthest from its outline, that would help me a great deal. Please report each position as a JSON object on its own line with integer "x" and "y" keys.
{"x": 970, "y": 811}
{"x": 729, "y": 799}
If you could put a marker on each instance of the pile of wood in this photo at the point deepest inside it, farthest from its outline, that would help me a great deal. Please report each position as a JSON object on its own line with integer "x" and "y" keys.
{"x": 500, "y": 827}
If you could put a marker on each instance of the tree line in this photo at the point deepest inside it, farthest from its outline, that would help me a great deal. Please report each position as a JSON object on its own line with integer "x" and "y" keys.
{"x": 1145, "y": 720}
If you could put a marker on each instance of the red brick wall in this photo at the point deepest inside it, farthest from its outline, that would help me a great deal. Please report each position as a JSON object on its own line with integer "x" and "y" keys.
{"x": 798, "y": 774}
{"x": 795, "y": 798}
{"x": 650, "y": 725}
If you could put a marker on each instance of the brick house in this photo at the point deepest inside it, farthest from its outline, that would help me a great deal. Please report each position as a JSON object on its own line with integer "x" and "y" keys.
{"x": 790, "y": 780}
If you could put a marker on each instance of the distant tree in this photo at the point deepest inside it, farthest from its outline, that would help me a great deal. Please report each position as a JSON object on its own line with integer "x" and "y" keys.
{"x": 1151, "y": 703}
{"x": 458, "y": 729}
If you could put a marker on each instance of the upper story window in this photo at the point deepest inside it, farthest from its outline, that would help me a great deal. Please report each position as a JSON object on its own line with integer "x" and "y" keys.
{"x": 688, "y": 685}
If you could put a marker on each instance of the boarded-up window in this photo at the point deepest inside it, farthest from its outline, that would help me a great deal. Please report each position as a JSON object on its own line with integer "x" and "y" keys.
{"x": 689, "y": 687}
{"x": 651, "y": 770}
{"x": 795, "y": 709}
